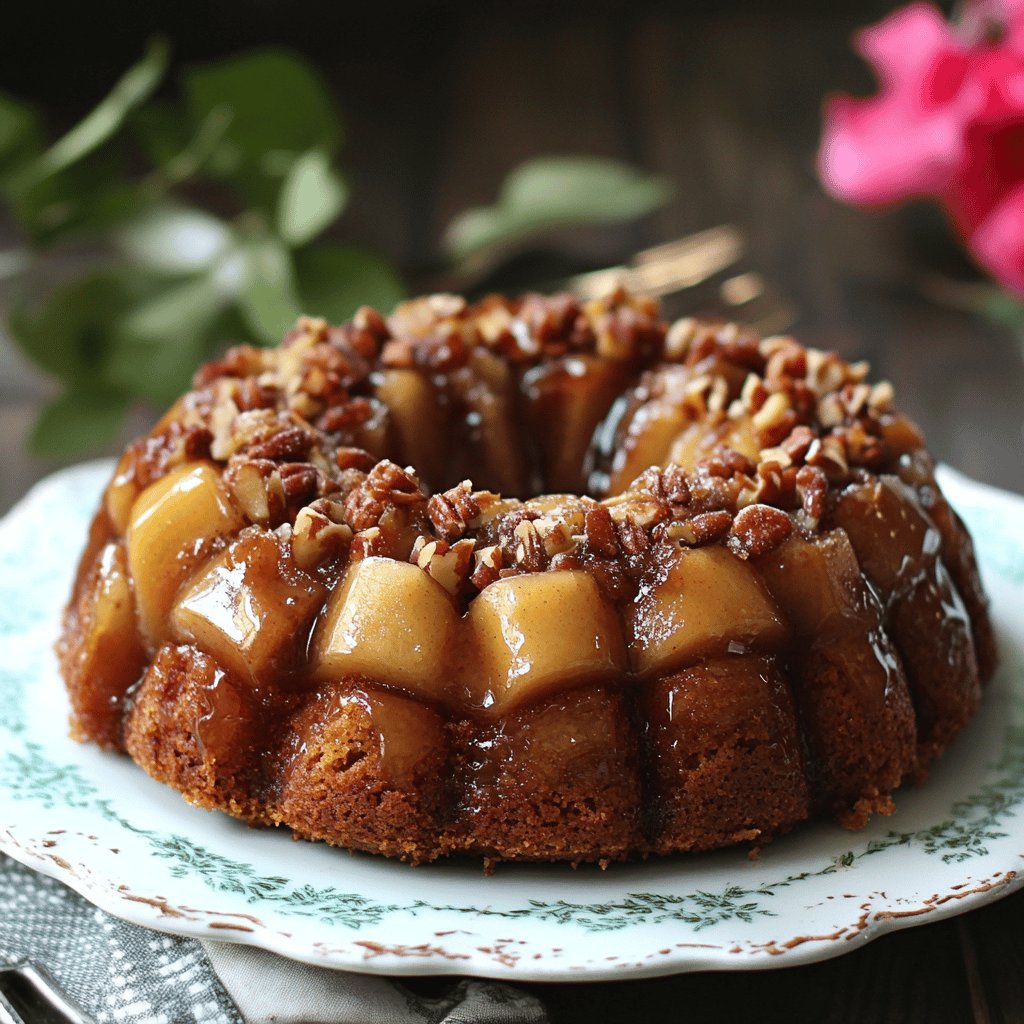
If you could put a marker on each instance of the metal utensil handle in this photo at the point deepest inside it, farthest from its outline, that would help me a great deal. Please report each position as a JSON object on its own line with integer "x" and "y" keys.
{"x": 30, "y": 995}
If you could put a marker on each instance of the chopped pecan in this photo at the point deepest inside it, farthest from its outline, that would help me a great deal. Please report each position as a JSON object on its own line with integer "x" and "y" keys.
{"x": 599, "y": 530}
{"x": 812, "y": 486}
{"x": 452, "y": 511}
{"x": 632, "y": 536}
{"x": 704, "y": 528}
{"x": 771, "y": 414}
{"x": 679, "y": 337}
{"x": 368, "y": 544}
{"x": 760, "y": 528}
{"x": 250, "y": 394}
{"x": 530, "y": 553}
{"x": 316, "y": 539}
{"x": 564, "y": 561}
{"x": 258, "y": 489}
{"x": 676, "y": 486}
{"x": 196, "y": 442}
{"x": 488, "y": 565}
{"x": 346, "y": 416}
{"x": 881, "y": 396}
{"x": 828, "y": 453}
{"x": 369, "y": 320}
{"x": 449, "y": 566}
{"x": 555, "y": 534}
{"x": 796, "y": 445}
{"x": 389, "y": 482}
{"x": 354, "y": 458}
{"x": 292, "y": 444}
{"x": 301, "y": 482}
{"x": 398, "y": 354}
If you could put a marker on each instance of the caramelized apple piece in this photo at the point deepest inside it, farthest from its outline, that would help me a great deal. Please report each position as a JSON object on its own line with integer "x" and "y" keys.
{"x": 818, "y": 582}
{"x": 650, "y": 428}
{"x": 173, "y": 525}
{"x": 698, "y": 441}
{"x": 103, "y": 656}
{"x": 894, "y": 540}
{"x": 251, "y": 608}
{"x": 897, "y": 546}
{"x": 847, "y": 677}
{"x": 536, "y": 633}
{"x": 121, "y": 494}
{"x": 566, "y": 399}
{"x": 490, "y": 449}
{"x": 707, "y": 601}
{"x": 417, "y": 419}
{"x": 389, "y": 621}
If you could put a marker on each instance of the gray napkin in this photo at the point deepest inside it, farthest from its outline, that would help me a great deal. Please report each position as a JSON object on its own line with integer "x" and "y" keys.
{"x": 120, "y": 972}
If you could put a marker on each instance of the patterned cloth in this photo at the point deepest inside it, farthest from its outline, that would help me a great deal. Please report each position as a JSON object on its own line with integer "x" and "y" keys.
{"x": 119, "y": 972}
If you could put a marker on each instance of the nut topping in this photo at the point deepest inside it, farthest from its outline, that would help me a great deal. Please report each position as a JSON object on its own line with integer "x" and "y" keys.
{"x": 758, "y": 529}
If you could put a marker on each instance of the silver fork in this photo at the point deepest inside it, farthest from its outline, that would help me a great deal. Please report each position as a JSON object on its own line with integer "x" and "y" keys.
{"x": 29, "y": 995}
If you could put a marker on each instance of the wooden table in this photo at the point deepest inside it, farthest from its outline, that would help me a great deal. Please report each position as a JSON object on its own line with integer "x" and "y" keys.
{"x": 442, "y": 101}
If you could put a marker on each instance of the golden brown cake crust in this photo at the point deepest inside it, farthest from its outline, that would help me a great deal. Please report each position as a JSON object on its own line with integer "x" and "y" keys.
{"x": 739, "y": 600}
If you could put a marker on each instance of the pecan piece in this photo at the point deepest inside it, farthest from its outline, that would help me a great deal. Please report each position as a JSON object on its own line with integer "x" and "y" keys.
{"x": 258, "y": 490}
{"x": 291, "y": 444}
{"x": 760, "y": 528}
{"x": 599, "y": 529}
{"x": 704, "y": 528}
{"x": 452, "y": 511}
{"x": 488, "y": 565}
{"x": 530, "y": 553}
{"x": 812, "y": 486}
{"x": 632, "y": 536}
{"x": 316, "y": 539}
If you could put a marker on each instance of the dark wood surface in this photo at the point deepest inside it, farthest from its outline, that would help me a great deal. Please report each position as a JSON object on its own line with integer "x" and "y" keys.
{"x": 443, "y": 100}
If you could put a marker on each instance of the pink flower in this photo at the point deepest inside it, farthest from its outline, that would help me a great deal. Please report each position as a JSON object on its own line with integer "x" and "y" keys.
{"x": 948, "y": 122}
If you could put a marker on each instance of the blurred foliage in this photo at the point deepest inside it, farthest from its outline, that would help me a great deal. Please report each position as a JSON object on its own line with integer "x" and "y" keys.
{"x": 255, "y": 139}
{"x": 548, "y": 193}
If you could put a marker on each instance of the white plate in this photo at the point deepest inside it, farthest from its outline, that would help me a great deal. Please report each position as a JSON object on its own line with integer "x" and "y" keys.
{"x": 133, "y": 847}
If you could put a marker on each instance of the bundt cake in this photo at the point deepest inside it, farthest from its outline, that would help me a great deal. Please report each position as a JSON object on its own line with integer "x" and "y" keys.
{"x": 737, "y": 599}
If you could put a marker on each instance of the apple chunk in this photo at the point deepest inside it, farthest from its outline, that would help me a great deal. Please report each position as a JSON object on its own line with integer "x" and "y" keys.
{"x": 105, "y": 657}
{"x": 391, "y": 622}
{"x": 818, "y": 583}
{"x": 172, "y": 524}
{"x": 250, "y": 608}
{"x": 709, "y": 602}
{"x": 536, "y": 633}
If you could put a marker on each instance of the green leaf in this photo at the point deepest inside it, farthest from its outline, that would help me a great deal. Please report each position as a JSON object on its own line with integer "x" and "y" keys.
{"x": 133, "y": 88}
{"x": 158, "y": 344}
{"x": 311, "y": 198}
{"x": 277, "y": 105}
{"x": 267, "y": 295}
{"x": 77, "y": 422}
{"x": 86, "y": 197}
{"x": 334, "y": 282}
{"x": 71, "y": 336}
{"x": 174, "y": 239}
{"x": 20, "y": 133}
{"x": 552, "y": 192}
{"x": 161, "y": 130}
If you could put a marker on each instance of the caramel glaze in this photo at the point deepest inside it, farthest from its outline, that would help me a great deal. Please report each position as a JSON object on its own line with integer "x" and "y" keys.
{"x": 738, "y": 744}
